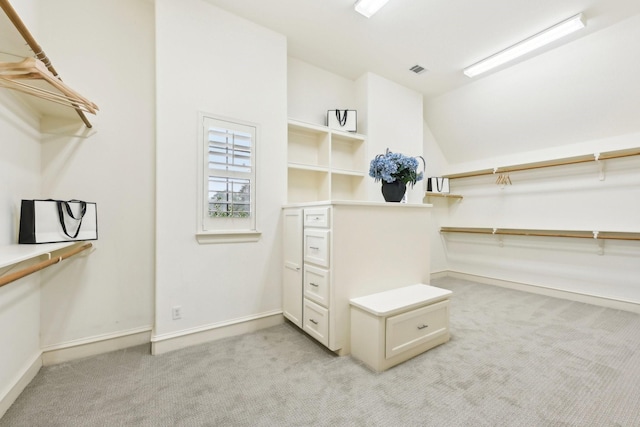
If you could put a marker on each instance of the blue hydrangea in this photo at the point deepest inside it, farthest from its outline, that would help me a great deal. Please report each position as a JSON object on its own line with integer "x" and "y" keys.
{"x": 390, "y": 167}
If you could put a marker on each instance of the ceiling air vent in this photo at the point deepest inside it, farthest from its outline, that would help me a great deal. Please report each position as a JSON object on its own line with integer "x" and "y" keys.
{"x": 418, "y": 69}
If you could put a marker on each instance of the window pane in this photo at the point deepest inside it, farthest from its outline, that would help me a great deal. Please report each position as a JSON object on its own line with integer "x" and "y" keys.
{"x": 229, "y": 197}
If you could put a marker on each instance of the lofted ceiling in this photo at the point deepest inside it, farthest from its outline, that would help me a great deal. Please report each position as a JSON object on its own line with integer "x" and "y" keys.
{"x": 444, "y": 36}
{"x": 578, "y": 89}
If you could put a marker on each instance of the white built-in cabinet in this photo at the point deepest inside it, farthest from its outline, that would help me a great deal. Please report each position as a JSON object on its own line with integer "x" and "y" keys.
{"x": 336, "y": 251}
{"x": 325, "y": 164}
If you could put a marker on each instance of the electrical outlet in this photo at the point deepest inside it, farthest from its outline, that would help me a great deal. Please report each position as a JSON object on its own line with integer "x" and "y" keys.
{"x": 176, "y": 312}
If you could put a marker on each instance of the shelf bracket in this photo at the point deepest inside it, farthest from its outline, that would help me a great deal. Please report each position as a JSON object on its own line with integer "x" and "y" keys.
{"x": 600, "y": 165}
{"x": 599, "y": 242}
{"x": 499, "y": 237}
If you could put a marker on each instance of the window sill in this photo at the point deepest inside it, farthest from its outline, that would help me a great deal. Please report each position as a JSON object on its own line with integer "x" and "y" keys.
{"x": 206, "y": 238}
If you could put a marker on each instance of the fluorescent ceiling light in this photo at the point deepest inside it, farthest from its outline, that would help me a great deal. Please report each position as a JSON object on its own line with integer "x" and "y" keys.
{"x": 369, "y": 7}
{"x": 547, "y": 36}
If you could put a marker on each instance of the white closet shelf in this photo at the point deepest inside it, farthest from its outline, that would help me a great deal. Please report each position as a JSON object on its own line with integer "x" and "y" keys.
{"x": 582, "y": 234}
{"x": 347, "y": 172}
{"x": 443, "y": 195}
{"x": 314, "y": 168}
{"x": 549, "y": 163}
{"x": 14, "y": 254}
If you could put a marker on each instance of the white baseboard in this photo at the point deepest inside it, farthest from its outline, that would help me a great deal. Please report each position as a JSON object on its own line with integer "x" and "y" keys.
{"x": 174, "y": 341}
{"x": 92, "y": 346}
{"x": 21, "y": 382}
{"x": 439, "y": 274}
{"x": 545, "y": 290}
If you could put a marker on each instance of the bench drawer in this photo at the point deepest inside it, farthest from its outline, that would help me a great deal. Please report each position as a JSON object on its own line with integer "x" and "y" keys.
{"x": 416, "y": 327}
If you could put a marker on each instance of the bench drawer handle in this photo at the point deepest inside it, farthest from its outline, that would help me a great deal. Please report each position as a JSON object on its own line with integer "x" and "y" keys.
{"x": 423, "y": 326}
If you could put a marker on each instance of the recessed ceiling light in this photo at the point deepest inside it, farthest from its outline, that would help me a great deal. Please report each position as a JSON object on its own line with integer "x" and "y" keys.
{"x": 547, "y": 36}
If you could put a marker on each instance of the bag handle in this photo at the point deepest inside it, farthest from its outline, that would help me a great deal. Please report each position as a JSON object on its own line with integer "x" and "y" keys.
{"x": 83, "y": 211}
{"x": 342, "y": 120}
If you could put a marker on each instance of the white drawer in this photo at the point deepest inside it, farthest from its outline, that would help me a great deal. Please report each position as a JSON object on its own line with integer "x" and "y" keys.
{"x": 317, "y": 217}
{"x": 316, "y": 321}
{"x": 416, "y": 327}
{"x": 316, "y": 247}
{"x": 316, "y": 284}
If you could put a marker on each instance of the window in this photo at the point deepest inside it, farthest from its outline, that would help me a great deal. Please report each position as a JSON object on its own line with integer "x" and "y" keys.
{"x": 228, "y": 180}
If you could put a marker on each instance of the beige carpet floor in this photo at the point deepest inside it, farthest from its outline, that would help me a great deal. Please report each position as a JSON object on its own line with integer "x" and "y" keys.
{"x": 515, "y": 359}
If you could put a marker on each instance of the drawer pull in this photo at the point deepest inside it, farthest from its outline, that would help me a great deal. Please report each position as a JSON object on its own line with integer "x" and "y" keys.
{"x": 315, "y": 248}
{"x": 313, "y": 284}
{"x": 423, "y": 326}
{"x": 313, "y": 321}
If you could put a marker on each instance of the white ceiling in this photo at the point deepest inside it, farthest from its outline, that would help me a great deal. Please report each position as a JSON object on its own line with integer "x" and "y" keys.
{"x": 579, "y": 89}
{"x": 443, "y": 36}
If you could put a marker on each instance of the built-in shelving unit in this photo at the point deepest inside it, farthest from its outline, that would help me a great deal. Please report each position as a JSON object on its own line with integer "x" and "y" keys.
{"x": 324, "y": 164}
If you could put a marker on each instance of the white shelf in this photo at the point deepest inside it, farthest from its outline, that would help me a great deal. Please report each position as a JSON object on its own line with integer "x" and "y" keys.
{"x": 305, "y": 167}
{"x": 348, "y": 172}
{"x": 549, "y": 163}
{"x": 324, "y": 164}
{"x": 14, "y": 254}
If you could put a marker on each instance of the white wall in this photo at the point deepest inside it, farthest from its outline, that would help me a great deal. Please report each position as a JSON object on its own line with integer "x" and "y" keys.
{"x": 557, "y": 198}
{"x": 110, "y": 291}
{"x": 209, "y": 60}
{"x": 312, "y": 91}
{"x": 393, "y": 117}
{"x": 20, "y": 300}
{"x": 437, "y": 165}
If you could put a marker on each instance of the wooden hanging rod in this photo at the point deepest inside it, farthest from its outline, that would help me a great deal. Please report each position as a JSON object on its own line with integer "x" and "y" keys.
{"x": 36, "y": 48}
{"x": 5, "y": 280}
{"x": 606, "y": 235}
{"x": 548, "y": 163}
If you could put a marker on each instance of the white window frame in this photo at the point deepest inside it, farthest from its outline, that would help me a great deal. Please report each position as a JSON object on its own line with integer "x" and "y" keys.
{"x": 223, "y": 229}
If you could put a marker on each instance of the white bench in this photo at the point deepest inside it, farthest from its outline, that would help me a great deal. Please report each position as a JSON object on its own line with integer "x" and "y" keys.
{"x": 391, "y": 327}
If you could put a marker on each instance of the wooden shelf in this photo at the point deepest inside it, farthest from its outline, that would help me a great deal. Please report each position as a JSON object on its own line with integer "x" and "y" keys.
{"x": 442, "y": 195}
{"x": 549, "y": 163}
{"x": 581, "y": 234}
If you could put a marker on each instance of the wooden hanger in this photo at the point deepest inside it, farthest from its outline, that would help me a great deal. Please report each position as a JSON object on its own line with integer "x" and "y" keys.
{"x": 40, "y": 55}
{"x": 12, "y": 75}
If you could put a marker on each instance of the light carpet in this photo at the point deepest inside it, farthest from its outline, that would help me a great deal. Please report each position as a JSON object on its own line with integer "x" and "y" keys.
{"x": 515, "y": 359}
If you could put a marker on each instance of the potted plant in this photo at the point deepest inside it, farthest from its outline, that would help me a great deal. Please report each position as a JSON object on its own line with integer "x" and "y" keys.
{"x": 395, "y": 171}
